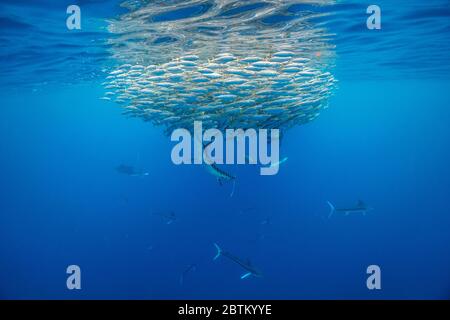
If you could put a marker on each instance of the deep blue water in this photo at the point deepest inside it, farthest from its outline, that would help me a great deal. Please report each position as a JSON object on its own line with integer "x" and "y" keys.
{"x": 384, "y": 139}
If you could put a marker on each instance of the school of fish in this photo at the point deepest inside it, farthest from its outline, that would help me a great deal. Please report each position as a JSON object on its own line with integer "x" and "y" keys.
{"x": 243, "y": 80}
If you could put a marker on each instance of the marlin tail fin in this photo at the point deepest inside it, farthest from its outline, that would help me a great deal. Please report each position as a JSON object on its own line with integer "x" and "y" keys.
{"x": 219, "y": 251}
{"x": 332, "y": 209}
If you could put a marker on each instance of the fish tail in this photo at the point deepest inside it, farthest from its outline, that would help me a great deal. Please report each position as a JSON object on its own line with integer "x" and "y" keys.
{"x": 332, "y": 209}
{"x": 219, "y": 251}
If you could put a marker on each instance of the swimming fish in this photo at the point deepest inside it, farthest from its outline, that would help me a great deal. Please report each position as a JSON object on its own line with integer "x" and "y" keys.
{"x": 131, "y": 171}
{"x": 229, "y": 72}
{"x": 247, "y": 265}
{"x": 169, "y": 217}
{"x": 360, "y": 207}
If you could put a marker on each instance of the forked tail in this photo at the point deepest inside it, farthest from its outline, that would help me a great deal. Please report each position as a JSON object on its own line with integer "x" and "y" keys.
{"x": 219, "y": 251}
{"x": 332, "y": 209}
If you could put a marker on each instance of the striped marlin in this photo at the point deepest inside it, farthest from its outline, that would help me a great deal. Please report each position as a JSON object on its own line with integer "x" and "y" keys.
{"x": 221, "y": 175}
{"x": 247, "y": 265}
{"x": 360, "y": 207}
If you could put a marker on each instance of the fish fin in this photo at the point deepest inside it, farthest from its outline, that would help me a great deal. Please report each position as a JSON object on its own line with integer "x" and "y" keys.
{"x": 232, "y": 190}
{"x": 332, "y": 209}
{"x": 219, "y": 251}
{"x": 244, "y": 276}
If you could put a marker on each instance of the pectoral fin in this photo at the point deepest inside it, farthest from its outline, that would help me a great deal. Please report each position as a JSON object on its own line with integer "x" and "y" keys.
{"x": 248, "y": 274}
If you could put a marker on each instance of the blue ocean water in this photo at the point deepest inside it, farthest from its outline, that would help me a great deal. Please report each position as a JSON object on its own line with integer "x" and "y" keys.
{"x": 384, "y": 140}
